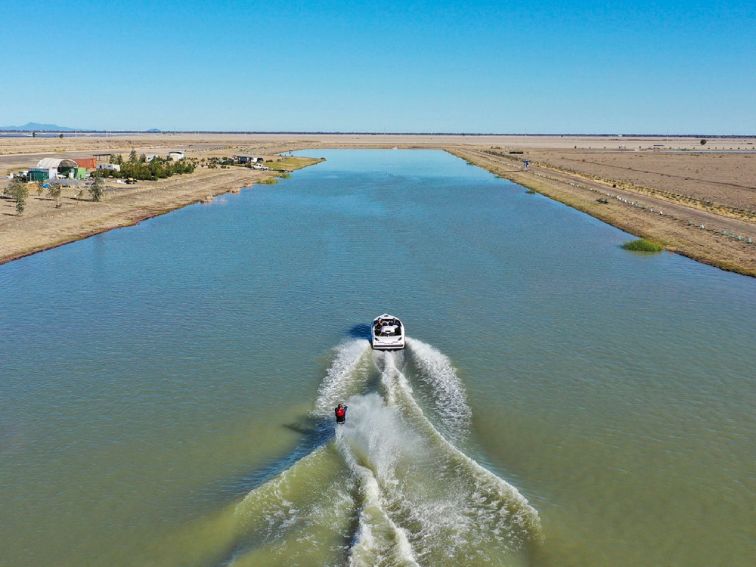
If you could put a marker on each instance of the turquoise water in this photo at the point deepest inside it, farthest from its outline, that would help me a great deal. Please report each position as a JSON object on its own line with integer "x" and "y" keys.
{"x": 165, "y": 389}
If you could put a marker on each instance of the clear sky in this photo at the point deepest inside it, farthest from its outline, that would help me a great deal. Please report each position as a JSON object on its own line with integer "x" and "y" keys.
{"x": 662, "y": 66}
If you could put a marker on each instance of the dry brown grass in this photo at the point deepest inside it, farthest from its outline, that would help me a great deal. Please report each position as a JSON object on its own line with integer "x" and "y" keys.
{"x": 703, "y": 235}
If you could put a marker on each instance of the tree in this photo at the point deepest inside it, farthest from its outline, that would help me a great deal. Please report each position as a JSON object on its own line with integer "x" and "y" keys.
{"x": 703, "y": 142}
{"x": 18, "y": 190}
{"x": 132, "y": 156}
{"x": 142, "y": 158}
{"x": 97, "y": 189}
{"x": 21, "y": 199}
{"x": 60, "y": 136}
{"x": 56, "y": 190}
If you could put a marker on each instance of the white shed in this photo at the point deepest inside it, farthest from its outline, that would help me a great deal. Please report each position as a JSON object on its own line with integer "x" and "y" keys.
{"x": 57, "y": 167}
{"x": 176, "y": 155}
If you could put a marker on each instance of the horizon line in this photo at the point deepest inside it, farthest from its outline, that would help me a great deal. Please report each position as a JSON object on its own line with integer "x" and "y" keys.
{"x": 369, "y": 133}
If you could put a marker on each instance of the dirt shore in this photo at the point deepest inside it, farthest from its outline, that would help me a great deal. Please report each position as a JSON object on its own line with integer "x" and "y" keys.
{"x": 44, "y": 225}
{"x": 697, "y": 200}
{"x": 685, "y": 226}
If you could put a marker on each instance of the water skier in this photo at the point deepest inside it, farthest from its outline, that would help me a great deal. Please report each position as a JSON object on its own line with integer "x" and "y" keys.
{"x": 340, "y": 412}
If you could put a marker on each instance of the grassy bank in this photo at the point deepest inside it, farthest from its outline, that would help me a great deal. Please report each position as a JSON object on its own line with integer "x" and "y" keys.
{"x": 293, "y": 163}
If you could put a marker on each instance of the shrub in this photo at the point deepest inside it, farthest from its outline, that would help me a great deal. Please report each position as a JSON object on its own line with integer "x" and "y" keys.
{"x": 97, "y": 189}
{"x": 18, "y": 190}
{"x": 642, "y": 245}
{"x": 56, "y": 190}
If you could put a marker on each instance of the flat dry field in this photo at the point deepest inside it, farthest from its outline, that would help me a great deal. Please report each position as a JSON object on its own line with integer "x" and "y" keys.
{"x": 715, "y": 235}
{"x": 718, "y": 178}
{"x": 697, "y": 200}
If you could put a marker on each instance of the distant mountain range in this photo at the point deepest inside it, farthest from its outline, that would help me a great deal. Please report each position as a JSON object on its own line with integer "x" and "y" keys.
{"x": 32, "y": 126}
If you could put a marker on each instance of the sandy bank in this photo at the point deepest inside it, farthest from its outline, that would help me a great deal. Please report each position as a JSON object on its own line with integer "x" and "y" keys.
{"x": 43, "y": 226}
{"x": 698, "y": 233}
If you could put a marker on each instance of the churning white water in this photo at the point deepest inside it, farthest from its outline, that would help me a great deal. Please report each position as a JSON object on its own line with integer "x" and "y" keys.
{"x": 406, "y": 492}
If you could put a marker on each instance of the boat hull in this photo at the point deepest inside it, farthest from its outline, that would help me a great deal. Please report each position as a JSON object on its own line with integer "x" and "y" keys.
{"x": 383, "y": 346}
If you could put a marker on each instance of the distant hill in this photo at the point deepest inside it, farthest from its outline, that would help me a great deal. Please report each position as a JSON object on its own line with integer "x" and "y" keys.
{"x": 31, "y": 126}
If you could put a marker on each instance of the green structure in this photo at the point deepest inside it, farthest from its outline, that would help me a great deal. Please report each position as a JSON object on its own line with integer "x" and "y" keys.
{"x": 39, "y": 174}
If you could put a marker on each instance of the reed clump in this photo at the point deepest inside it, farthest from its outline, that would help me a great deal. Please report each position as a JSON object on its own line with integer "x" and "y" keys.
{"x": 642, "y": 245}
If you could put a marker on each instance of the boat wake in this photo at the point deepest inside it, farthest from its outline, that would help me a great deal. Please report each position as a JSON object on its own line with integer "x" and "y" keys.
{"x": 390, "y": 487}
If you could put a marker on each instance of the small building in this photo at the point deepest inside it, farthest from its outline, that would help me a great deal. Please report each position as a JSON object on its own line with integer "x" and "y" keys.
{"x": 38, "y": 174}
{"x": 149, "y": 157}
{"x": 57, "y": 167}
{"x": 245, "y": 158}
{"x": 176, "y": 155}
{"x": 88, "y": 162}
{"x": 108, "y": 167}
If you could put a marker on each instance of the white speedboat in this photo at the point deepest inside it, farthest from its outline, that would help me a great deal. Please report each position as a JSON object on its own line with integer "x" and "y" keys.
{"x": 387, "y": 333}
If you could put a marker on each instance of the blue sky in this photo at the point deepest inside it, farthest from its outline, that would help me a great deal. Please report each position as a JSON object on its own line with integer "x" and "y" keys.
{"x": 536, "y": 67}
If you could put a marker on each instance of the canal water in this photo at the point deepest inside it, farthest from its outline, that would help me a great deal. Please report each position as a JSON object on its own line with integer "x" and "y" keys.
{"x": 166, "y": 390}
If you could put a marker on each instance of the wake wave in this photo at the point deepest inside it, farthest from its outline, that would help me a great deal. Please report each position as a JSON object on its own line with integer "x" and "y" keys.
{"x": 449, "y": 398}
{"x": 453, "y": 507}
{"x": 392, "y": 488}
{"x": 378, "y": 538}
{"x": 344, "y": 377}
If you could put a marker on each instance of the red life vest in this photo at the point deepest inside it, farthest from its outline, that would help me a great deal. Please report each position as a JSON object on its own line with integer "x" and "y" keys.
{"x": 340, "y": 412}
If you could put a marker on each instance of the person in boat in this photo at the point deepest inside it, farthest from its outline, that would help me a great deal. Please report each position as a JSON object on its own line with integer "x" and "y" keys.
{"x": 340, "y": 412}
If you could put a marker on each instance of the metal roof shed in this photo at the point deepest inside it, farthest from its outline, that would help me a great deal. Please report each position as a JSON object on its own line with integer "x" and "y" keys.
{"x": 57, "y": 163}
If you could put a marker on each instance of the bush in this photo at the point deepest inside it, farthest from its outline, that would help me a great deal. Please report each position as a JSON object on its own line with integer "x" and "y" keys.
{"x": 19, "y": 192}
{"x": 97, "y": 189}
{"x": 56, "y": 190}
{"x": 642, "y": 245}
